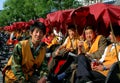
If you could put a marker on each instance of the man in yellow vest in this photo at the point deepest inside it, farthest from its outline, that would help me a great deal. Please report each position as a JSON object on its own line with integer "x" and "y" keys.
{"x": 98, "y": 70}
{"x": 94, "y": 44}
{"x": 111, "y": 53}
{"x": 27, "y": 64}
{"x": 70, "y": 44}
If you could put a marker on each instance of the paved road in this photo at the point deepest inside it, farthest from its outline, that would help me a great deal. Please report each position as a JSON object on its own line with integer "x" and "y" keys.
{"x": 2, "y": 62}
{"x": 1, "y": 78}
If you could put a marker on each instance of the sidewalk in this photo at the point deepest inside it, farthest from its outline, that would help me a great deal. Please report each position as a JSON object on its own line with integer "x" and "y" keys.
{"x": 1, "y": 77}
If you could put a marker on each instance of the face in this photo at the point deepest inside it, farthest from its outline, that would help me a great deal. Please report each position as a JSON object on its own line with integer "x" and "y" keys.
{"x": 71, "y": 33}
{"x": 24, "y": 30}
{"x": 36, "y": 35}
{"x": 90, "y": 35}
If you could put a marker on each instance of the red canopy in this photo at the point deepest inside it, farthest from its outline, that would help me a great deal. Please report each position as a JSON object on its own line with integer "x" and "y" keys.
{"x": 81, "y": 17}
{"x": 58, "y": 19}
{"x": 9, "y": 28}
{"x": 104, "y": 15}
{"x": 109, "y": 13}
{"x": 100, "y": 15}
{"x": 17, "y": 26}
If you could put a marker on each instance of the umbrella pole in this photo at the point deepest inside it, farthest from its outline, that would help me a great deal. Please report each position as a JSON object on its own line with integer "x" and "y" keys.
{"x": 77, "y": 34}
{"x": 114, "y": 41}
{"x": 115, "y": 44}
{"x": 75, "y": 30}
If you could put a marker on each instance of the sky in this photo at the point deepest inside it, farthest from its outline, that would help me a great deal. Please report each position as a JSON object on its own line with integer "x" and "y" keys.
{"x": 1, "y": 4}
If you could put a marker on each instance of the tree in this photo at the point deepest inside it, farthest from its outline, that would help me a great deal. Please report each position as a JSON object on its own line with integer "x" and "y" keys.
{"x": 24, "y": 10}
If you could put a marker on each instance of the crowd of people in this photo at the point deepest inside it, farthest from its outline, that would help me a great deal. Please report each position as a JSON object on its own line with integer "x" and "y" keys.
{"x": 72, "y": 58}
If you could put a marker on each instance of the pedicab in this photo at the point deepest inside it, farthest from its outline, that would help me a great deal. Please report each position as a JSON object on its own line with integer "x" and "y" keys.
{"x": 102, "y": 16}
{"x": 106, "y": 16}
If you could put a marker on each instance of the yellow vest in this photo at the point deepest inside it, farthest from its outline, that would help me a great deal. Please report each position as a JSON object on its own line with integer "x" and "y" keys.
{"x": 74, "y": 45}
{"x": 27, "y": 61}
{"x": 110, "y": 58}
{"x": 53, "y": 42}
{"x": 94, "y": 46}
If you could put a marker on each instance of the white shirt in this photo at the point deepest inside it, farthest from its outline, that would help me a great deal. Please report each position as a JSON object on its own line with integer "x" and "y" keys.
{"x": 11, "y": 35}
{"x": 59, "y": 34}
{"x": 105, "y": 52}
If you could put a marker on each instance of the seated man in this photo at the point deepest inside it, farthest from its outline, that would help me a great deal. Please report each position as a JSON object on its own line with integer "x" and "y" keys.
{"x": 94, "y": 44}
{"x": 99, "y": 70}
{"x": 69, "y": 45}
{"x": 111, "y": 54}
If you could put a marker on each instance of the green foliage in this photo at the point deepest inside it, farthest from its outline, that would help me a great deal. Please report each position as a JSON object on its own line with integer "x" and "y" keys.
{"x": 25, "y": 10}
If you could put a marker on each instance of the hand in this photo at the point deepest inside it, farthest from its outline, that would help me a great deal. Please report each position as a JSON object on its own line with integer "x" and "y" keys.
{"x": 81, "y": 43}
{"x": 93, "y": 65}
{"x": 42, "y": 80}
{"x": 57, "y": 52}
{"x": 87, "y": 54}
{"x": 98, "y": 67}
{"x": 69, "y": 49}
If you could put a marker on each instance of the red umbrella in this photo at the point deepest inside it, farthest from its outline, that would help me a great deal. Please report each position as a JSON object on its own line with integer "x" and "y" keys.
{"x": 81, "y": 17}
{"x": 58, "y": 19}
{"x": 105, "y": 14}
{"x": 9, "y": 28}
{"x": 59, "y": 16}
{"x": 100, "y": 15}
{"x": 41, "y": 20}
{"x": 19, "y": 25}
{"x": 109, "y": 13}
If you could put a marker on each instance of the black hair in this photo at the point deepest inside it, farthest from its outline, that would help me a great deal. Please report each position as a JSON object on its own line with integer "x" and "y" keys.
{"x": 116, "y": 30}
{"x": 39, "y": 25}
{"x": 71, "y": 26}
{"x": 90, "y": 27}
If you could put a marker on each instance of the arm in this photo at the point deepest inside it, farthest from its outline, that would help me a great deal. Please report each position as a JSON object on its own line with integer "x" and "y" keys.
{"x": 103, "y": 56}
{"x": 102, "y": 67}
{"x": 16, "y": 62}
{"x": 110, "y": 65}
{"x": 61, "y": 47}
